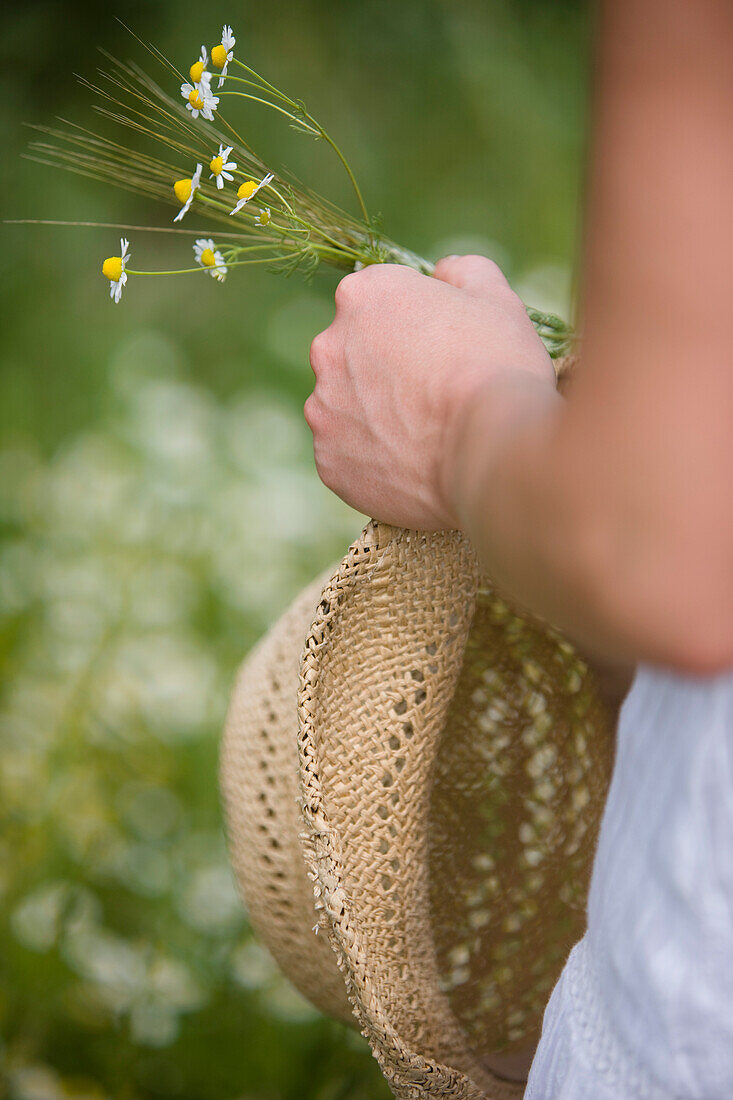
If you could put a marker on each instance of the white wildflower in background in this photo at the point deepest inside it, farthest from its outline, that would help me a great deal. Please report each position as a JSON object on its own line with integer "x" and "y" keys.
{"x": 113, "y": 269}
{"x": 200, "y": 100}
{"x": 264, "y": 216}
{"x": 196, "y": 71}
{"x": 224, "y": 53}
{"x": 221, "y": 167}
{"x": 210, "y": 258}
{"x": 185, "y": 191}
{"x": 249, "y": 189}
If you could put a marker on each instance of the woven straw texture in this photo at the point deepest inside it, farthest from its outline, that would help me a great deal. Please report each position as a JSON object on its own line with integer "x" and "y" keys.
{"x": 430, "y": 797}
{"x": 453, "y": 769}
{"x": 259, "y": 783}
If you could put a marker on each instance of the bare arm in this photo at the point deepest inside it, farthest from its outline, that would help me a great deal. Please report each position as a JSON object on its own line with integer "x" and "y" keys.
{"x": 612, "y": 513}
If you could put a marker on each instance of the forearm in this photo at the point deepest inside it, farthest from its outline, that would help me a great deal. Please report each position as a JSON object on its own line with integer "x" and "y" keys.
{"x": 611, "y": 513}
{"x": 523, "y": 514}
{"x": 618, "y": 557}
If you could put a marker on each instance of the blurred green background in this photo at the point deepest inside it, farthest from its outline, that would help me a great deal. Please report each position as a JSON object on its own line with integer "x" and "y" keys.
{"x": 159, "y": 507}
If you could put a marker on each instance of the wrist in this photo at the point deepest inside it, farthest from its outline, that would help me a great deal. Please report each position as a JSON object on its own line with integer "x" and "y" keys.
{"x": 483, "y": 430}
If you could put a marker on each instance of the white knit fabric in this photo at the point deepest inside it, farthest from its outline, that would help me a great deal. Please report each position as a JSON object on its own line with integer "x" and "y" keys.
{"x": 644, "y": 1007}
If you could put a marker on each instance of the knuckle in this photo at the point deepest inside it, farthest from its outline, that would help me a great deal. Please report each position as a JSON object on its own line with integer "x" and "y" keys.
{"x": 310, "y": 411}
{"x": 319, "y": 351}
{"x": 346, "y": 291}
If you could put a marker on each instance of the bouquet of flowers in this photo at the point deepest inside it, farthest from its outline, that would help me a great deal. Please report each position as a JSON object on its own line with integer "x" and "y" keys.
{"x": 198, "y": 162}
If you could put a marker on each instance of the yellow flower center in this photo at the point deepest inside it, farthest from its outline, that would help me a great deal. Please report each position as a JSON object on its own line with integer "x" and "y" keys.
{"x": 247, "y": 189}
{"x": 182, "y": 189}
{"x": 216, "y": 165}
{"x": 219, "y": 56}
{"x": 112, "y": 268}
{"x": 196, "y": 72}
{"x": 208, "y": 259}
{"x": 264, "y": 217}
{"x": 194, "y": 98}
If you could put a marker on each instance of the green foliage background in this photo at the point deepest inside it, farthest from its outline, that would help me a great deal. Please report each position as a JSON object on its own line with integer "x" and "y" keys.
{"x": 159, "y": 507}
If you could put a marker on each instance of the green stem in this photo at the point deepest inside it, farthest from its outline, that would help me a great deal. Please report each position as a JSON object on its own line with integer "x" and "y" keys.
{"x": 315, "y": 127}
{"x": 340, "y": 246}
{"x": 547, "y": 320}
{"x": 283, "y": 200}
{"x": 261, "y": 79}
{"x": 194, "y": 270}
{"x": 274, "y": 106}
{"x": 347, "y": 166}
{"x": 262, "y": 87}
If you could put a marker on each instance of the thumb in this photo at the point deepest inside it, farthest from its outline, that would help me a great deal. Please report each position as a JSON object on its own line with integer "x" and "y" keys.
{"x": 476, "y": 274}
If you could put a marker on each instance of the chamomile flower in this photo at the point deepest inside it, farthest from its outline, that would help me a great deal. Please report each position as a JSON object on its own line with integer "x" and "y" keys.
{"x": 198, "y": 68}
{"x": 206, "y": 254}
{"x": 249, "y": 189}
{"x": 113, "y": 269}
{"x": 264, "y": 216}
{"x": 185, "y": 191}
{"x": 221, "y": 167}
{"x": 221, "y": 55}
{"x": 200, "y": 100}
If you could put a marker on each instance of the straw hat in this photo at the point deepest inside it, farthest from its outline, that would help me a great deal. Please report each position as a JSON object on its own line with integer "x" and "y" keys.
{"x": 418, "y": 771}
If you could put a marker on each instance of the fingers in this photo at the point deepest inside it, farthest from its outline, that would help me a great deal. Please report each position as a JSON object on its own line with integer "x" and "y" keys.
{"x": 477, "y": 274}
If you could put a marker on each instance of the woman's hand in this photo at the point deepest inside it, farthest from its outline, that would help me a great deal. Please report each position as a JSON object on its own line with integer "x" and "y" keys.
{"x": 397, "y": 373}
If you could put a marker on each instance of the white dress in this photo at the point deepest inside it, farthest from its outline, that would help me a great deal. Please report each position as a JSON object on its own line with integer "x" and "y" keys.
{"x": 644, "y": 1007}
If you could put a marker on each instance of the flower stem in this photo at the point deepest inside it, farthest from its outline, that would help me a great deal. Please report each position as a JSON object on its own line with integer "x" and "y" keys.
{"x": 193, "y": 270}
{"x": 266, "y": 102}
{"x": 310, "y": 124}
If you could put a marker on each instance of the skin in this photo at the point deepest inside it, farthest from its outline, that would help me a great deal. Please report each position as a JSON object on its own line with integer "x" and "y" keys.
{"x": 609, "y": 513}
